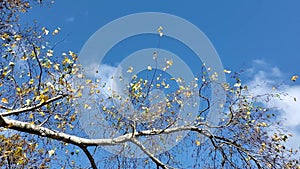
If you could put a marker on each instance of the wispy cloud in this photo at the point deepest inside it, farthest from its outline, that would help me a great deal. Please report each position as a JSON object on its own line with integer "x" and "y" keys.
{"x": 264, "y": 78}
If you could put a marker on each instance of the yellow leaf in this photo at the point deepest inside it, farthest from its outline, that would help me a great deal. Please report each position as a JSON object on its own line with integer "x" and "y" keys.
{"x": 18, "y": 151}
{"x": 79, "y": 94}
{"x": 56, "y": 116}
{"x": 263, "y": 124}
{"x": 13, "y": 45}
{"x": 18, "y": 37}
{"x": 88, "y": 81}
{"x": 73, "y": 117}
{"x": 56, "y": 66}
{"x": 86, "y": 106}
{"x": 198, "y": 142}
{"x": 18, "y": 89}
{"x": 31, "y": 81}
{"x": 4, "y": 36}
{"x": 227, "y": 71}
{"x": 294, "y": 78}
{"x": 170, "y": 62}
{"x": 80, "y": 76}
{"x": 45, "y": 31}
{"x": 159, "y": 30}
{"x": 72, "y": 54}
{"x": 31, "y": 116}
{"x": 56, "y": 31}
{"x": 45, "y": 90}
{"x": 44, "y": 98}
{"x": 42, "y": 113}
{"x": 4, "y": 100}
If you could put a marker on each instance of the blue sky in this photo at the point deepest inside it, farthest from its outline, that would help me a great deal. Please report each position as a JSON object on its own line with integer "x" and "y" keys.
{"x": 240, "y": 31}
{"x": 262, "y": 37}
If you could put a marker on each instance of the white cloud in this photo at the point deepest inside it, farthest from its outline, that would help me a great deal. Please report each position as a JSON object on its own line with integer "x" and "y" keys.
{"x": 259, "y": 62}
{"x": 104, "y": 73}
{"x": 109, "y": 80}
{"x": 264, "y": 79}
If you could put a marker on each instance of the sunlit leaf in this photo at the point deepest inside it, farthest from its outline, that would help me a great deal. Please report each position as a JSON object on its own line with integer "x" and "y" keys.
{"x": 12, "y": 64}
{"x": 4, "y": 36}
{"x": 49, "y": 53}
{"x": 197, "y": 142}
{"x": 56, "y": 31}
{"x": 56, "y": 116}
{"x": 79, "y": 94}
{"x": 51, "y": 152}
{"x": 227, "y": 71}
{"x": 17, "y": 37}
{"x": 4, "y": 100}
{"x": 237, "y": 84}
{"x": 86, "y": 106}
{"x": 160, "y": 30}
{"x": 45, "y": 30}
{"x": 294, "y": 78}
{"x": 169, "y": 62}
{"x": 88, "y": 81}
{"x": 31, "y": 81}
{"x": 42, "y": 113}
{"x": 130, "y": 69}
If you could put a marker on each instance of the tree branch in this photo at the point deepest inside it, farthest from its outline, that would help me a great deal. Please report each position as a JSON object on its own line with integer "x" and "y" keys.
{"x": 40, "y": 66}
{"x": 26, "y": 109}
{"x": 89, "y": 156}
{"x": 150, "y": 155}
{"x": 56, "y": 135}
{"x": 129, "y": 137}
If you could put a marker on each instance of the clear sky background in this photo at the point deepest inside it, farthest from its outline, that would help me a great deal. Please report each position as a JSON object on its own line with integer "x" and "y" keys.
{"x": 260, "y": 37}
{"x": 241, "y": 31}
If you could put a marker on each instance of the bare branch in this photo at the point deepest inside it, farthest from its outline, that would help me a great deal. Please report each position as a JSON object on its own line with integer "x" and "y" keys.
{"x": 26, "y": 109}
{"x": 40, "y": 67}
{"x": 150, "y": 155}
{"x": 89, "y": 155}
{"x": 79, "y": 141}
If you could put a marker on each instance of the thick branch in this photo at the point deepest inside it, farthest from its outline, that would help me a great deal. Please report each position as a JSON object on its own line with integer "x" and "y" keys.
{"x": 84, "y": 142}
{"x": 56, "y": 135}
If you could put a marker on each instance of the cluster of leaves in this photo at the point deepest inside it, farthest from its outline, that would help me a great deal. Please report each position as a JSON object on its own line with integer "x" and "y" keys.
{"x": 41, "y": 92}
{"x": 35, "y": 85}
